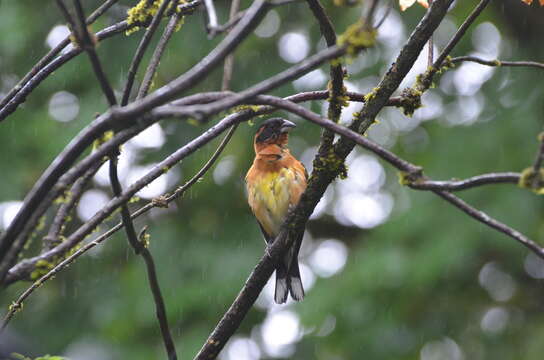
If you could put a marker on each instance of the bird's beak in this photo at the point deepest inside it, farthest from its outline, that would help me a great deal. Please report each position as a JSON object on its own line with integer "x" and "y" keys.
{"x": 286, "y": 126}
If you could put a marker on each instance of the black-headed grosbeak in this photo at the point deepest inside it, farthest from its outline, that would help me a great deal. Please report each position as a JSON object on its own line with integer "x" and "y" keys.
{"x": 275, "y": 182}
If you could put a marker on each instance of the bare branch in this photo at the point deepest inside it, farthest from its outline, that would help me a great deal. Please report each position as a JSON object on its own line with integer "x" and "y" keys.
{"x": 157, "y": 54}
{"x": 52, "y": 238}
{"x": 202, "y": 69}
{"x": 498, "y": 62}
{"x": 212, "y": 17}
{"x": 489, "y": 221}
{"x": 81, "y": 34}
{"x": 336, "y": 74}
{"x": 52, "y": 53}
{"x": 539, "y": 156}
{"x": 229, "y": 60}
{"x": 140, "y": 51}
{"x": 458, "y": 185}
{"x": 460, "y": 33}
{"x": 201, "y": 111}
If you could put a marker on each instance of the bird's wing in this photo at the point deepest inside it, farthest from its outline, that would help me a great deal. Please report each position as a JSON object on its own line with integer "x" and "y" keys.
{"x": 267, "y": 238}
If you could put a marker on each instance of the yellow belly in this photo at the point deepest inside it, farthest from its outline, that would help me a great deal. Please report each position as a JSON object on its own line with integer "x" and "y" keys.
{"x": 270, "y": 198}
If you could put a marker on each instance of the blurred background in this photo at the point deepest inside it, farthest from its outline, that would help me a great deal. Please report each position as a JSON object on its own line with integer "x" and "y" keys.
{"x": 390, "y": 273}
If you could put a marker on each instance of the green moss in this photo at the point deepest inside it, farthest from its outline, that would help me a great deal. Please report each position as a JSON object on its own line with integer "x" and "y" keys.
{"x": 371, "y": 95}
{"x": 410, "y": 100}
{"x": 532, "y": 180}
{"x": 63, "y": 198}
{"x": 349, "y": 3}
{"x": 357, "y": 37}
{"x": 160, "y": 201}
{"x": 337, "y": 61}
{"x": 101, "y": 140}
{"x": 407, "y": 178}
{"x": 41, "y": 268}
{"x": 331, "y": 162}
{"x": 15, "y": 307}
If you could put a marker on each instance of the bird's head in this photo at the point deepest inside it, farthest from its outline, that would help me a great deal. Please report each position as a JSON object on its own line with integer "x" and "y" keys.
{"x": 273, "y": 132}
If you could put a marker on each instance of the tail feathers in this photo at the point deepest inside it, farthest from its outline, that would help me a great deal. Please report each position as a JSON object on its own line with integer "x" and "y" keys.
{"x": 288, "y": 283}
{"x": 295, "y": 284}
{"x": 282, "y": 287}
{"x": 296, "y": 289}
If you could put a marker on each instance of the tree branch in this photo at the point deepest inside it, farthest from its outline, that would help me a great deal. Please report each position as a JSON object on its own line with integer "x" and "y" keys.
{"x": 498, "y": 62}
{"x": 140, "y": 51}
{"x": 84, "y": 41}
{"x": 458, "y": 185}
{"x": 157, "y": 54}
{"x": 52, "y": 53}
{"x": 53, "y": 237}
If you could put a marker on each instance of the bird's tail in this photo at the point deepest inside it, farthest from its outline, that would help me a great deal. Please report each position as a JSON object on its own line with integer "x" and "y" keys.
{"x": 288, "y": 281}
{"x": 282, "y": 286}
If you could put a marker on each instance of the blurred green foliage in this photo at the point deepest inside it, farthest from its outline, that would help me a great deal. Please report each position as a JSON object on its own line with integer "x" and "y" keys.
{"x": 410, "y": 287}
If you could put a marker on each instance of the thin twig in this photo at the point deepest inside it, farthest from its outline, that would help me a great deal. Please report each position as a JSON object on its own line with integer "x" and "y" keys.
{"x": 157, "y": 54}
{"x": 141, "y": 249}
{"x": 56, "y": 229}
{"x": 212, "y": 17}
{"x": 83, "y": 38}
{"x": 460, "y": 33}
{"x": 53, "y": 52}
{"x": 489, "y": 221}
{"x": 229, "y": 60}
{"x": 140, "y": 51}
{"x": 204, "y": 67}
{"x": 336, "y": 73}
{"x": 45, "y": 70}
{"x": 430, "y": 44}
{"x": 52, "y": 66}
{"x": 498, "y": 62}
{"x": 385, "y": 15}
{"x": 203, "y": 111}
{"x": 475, "y": 181}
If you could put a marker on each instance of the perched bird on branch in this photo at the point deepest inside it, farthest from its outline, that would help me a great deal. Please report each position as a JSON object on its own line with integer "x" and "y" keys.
{"x": 275, "y": 182}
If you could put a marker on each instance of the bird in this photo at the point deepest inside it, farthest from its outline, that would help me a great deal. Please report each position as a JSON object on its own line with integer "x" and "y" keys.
{"x": 275, "y": 183}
